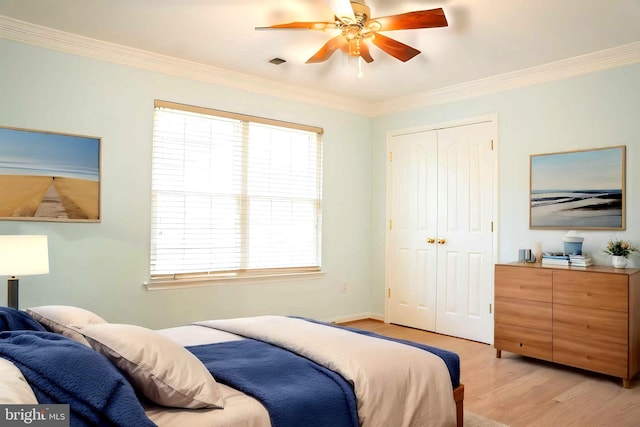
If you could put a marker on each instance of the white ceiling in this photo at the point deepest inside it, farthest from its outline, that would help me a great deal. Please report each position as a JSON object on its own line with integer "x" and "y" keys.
{"x": 484, "y": 38}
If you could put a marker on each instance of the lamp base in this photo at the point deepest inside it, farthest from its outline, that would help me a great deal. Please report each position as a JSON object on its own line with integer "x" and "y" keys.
{"x": 12, "y": 292}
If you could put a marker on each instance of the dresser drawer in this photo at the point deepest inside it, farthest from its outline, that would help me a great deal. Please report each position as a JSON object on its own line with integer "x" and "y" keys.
{"x": 525, "y": 341}
{"x": 523, "y": 283}
{"x": 593, "y": 355}
{"x": 528, "y": 314}
{"x": 596, "y": 290}
{"x": 591, "y": 323}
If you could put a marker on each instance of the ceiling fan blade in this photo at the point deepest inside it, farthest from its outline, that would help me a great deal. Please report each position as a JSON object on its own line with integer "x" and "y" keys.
{"x": 300, "y": 26}
{"x": 364, "y": 52}
{"x": 413, "y": 20}
{"x": 325, "y": 52}
{"x": 341, "y": 9}
{"x": 394, "y": 48}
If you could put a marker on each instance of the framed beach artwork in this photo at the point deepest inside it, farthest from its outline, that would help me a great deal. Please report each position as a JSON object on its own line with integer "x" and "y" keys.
{"x": 578, "y": 189}
{"x": 46, "y": 176}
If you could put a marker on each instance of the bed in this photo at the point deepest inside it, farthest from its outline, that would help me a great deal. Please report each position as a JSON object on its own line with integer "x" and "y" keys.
{"x": 255, "y": 372}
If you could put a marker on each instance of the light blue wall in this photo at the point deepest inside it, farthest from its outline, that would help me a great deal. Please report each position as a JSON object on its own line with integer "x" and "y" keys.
{"x": 593, "y": 110}
{"x": 102, "y": 266}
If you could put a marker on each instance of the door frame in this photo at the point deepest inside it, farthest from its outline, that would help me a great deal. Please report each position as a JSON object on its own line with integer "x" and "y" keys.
{"x": 430, "y": 127}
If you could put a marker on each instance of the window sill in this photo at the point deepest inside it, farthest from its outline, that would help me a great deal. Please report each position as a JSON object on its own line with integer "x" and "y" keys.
{"x": 158, "y": 285}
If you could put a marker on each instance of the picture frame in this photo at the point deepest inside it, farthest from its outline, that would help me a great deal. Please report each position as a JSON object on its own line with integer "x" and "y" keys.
{"x": 578, "y": 190}
{"x": 49, "y": 176}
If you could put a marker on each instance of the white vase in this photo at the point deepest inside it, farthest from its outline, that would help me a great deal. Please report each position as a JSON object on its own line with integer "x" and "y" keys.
{"x": 537, "y": 251}
{"x": 619, "y": 261}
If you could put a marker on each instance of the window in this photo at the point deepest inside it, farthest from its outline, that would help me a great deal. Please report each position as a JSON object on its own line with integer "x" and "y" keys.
{"x": 233, "y": 195}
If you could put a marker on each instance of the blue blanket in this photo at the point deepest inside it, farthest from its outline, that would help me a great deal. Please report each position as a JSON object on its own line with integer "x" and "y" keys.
{"x": 16, "y": 320}
{"x": 60, "y": 370}
{"x": 296, "y": 391}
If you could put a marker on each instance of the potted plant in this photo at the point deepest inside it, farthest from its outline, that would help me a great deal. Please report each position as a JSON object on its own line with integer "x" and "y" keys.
{"x": 620, "y": 250}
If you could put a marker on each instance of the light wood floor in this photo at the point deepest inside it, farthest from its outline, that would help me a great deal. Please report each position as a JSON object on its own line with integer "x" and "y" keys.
{"x": 520, "y": 391}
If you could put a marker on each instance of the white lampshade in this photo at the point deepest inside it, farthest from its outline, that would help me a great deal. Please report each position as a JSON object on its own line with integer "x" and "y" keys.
{"x": 23, "y": 255}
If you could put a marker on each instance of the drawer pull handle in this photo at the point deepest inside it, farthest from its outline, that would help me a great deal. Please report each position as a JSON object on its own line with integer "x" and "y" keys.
{"x": 520, "y": 344}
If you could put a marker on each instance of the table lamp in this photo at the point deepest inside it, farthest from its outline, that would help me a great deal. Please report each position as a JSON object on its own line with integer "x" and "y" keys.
{"x": 22, "y": 256}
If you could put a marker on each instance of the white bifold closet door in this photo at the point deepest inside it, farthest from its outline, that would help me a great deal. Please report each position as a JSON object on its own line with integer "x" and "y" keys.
{"x": 440, "y": 233}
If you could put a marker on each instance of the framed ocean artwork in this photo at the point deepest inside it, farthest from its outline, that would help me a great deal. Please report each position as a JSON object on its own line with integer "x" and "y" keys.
{"x": 578, "y": 190}
{"x": 47, "y": 176}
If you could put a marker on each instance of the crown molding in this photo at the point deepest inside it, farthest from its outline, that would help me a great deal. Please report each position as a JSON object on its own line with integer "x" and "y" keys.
{"x": 570, "y": 67}
{"x": 48, "y": 38}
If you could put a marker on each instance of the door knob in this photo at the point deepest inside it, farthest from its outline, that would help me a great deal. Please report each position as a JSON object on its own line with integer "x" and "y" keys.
{"x": 441, "y": 241}
{"x": 431, "y": 240}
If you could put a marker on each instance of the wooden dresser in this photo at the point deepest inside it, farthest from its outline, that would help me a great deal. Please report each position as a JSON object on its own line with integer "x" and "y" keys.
{"x": 587, "y": 317}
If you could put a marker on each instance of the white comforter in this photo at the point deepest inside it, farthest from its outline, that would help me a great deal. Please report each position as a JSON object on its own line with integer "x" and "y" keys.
{"x": 395, "y": 385}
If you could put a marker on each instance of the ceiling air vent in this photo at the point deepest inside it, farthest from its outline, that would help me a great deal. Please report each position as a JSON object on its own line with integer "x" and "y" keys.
{"x": 277, "y": 61}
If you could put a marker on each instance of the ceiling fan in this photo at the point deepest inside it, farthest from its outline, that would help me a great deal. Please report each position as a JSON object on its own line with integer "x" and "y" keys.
{"x": 353, "y": 19}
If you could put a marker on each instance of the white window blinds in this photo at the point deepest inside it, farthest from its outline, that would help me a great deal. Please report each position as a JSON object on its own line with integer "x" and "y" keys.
{"x": 233, "y": 195}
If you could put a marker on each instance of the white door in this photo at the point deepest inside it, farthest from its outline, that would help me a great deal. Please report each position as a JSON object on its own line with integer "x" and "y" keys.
{"x": 440, "y": 241}
{"x": 465, "y": 236}
{"x": 411, "y": 260}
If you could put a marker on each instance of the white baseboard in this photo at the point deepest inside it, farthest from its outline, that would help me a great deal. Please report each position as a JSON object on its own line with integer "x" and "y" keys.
{"x": 358, "y": 316}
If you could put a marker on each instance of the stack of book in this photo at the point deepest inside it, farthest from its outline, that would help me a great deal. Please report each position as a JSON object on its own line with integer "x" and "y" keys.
{"x": 555, "y": 258}
{"x": 558, "y": 258}
{"x": 579, "y": 260}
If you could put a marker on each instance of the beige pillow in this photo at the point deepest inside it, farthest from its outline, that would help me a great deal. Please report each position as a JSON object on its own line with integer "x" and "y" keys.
{"x": 162, "y": 370}
{"x": 65, "y": 320}
{"x": 15, "y": 389}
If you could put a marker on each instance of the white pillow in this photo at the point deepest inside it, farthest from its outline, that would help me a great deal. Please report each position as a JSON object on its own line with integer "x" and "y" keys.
{"x": 162, "y": 370}
{"x": 65, "y": 320}
{"x": 15, "y": 389}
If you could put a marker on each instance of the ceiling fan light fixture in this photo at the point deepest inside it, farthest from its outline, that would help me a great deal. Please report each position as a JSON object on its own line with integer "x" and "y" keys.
{"x": 373, "y": 26}
{"x": 354, "y": 47}
{"x": 344, "y": 21}
{"x": 351, "y": 33}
